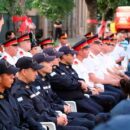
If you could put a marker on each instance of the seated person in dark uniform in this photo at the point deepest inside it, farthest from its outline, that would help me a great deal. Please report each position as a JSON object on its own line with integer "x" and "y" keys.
{"x": 29, "y": 99}
{"x": 66, "y": 83}
{"x": 10, "y": 116}
{"x": 42, "y": 84}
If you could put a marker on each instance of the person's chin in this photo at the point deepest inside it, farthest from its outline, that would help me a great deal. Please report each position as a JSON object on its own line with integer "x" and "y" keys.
{"x": 9, "y": 86}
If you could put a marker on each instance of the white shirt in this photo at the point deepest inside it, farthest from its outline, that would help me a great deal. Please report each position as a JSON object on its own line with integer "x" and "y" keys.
{"x": 22, "y": 53}
{"x": 94, "y": 65}
{"x": 8, "y": 58}
{"x": 118, "y": 52}
{"x": 128, "y": 51}
{"x": 83, "y": 72}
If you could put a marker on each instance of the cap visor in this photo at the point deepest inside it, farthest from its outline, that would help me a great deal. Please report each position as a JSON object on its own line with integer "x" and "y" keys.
{"x": 12, "y": 70}
{"x": 49, "y": 58}
{"x": 59, "y": 54}
{"x": 73, "y": 52}
{"x": 37, "y": 66}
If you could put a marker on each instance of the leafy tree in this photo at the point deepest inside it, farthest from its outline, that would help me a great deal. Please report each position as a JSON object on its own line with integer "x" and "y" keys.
{"x": 106, "y": 8}
{"x": 54, "y": 9}
{"x": 12, "y": 7}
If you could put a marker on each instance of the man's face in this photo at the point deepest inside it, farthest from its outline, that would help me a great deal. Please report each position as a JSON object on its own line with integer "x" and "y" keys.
{"x": 13, "y": 50}
{"x": 47, "y": 67}
{"x": 25, "y": 45}
{"x": 85, "y": 52}
{"x": 111, "y": 47}
{"x": 104, "y": 48}
{"x": 6, "y": 80}
{"x": 69, "y": 58}
{"x": 56, "y": 61}
{"x": 97, "y": 48}
{"x": 30, "y": 74}
{"x": 63, "y": 41}
{"x": 36, "y": 50}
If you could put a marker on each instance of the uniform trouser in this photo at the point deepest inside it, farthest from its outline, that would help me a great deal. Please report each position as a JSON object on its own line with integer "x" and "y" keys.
{"x": 82, "y": 119}
{"x": 99, "y": 118}
{"x": 106, "y": 101}
{"x": 121, "y": 94}
{"x": 81, "y": 122}
{"x": 82, "y": 115}
{"x": 88, "y": 105}
{"x": 114, "y": 94}
{"x": 71, "y": 128}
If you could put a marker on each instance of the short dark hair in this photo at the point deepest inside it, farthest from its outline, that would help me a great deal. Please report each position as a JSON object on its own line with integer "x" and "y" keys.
{"x": 125, "y": 86}
{"x": 8, "y": 34}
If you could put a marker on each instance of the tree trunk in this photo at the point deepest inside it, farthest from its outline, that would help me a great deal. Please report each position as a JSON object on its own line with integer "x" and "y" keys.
{"x": 92, "y": 14}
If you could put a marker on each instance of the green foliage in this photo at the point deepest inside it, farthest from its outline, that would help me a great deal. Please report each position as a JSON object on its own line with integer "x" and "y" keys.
{"x": 11, "y": 7}
{"x": 106, "y": 8}
{"x": 54, "y": 9}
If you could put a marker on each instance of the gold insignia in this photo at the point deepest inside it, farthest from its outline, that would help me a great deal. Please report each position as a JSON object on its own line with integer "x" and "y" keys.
{"x": 1, "y": 96}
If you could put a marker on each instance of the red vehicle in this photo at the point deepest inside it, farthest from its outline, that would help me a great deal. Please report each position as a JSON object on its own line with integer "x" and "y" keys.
{"x": 122, "y": 18}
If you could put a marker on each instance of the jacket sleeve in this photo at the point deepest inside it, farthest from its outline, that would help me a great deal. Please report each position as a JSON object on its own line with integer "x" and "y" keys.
{"x": 64, "y": 82}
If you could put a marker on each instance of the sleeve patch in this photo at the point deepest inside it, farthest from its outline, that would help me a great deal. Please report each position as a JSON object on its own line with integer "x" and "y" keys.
{"x": 20, "y": 99}
{"x": 53, "y": 74}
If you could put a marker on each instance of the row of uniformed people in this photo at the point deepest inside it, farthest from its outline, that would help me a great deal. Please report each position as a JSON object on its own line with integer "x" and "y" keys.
{"x": 22, "y": 89}
{"x": 29, "y": 98}
{"x": 29, "y": 107}
{"x": 14, "y": 48}
{"x": 93, "y": 66}
{"x": 25, "y": 44}
{"x": 32, "y": 103}
{"x": 11, "y": 115}
{"x": 101, "y": 85}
